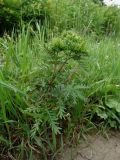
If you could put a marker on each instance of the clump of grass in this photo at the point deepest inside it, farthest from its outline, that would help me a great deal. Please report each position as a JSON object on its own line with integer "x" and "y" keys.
{"x": 101, "y": 74}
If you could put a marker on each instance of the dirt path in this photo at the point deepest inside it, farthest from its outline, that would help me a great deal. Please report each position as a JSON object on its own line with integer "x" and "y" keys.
{"x": 96, "y": 147}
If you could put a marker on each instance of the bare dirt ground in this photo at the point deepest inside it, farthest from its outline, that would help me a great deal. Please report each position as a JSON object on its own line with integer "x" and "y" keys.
{"x": 95, "y": 147}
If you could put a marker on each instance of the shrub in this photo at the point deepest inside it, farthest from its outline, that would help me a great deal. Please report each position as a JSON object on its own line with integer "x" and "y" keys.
{"x": 9, "y": 18}
{"x": 12, "y": 13}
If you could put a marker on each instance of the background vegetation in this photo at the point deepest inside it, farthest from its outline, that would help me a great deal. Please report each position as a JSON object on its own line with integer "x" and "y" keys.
{"x": 59, "y": 74}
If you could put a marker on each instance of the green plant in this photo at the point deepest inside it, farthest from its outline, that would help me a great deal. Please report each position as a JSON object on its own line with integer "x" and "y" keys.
{"x": 109, "y": 111}
{"x": 14, "y": 13}
{"x": 57, "y": 16}
{"x": 38, "y": 91}
{"x": 111, "y": 20}
{"x": 57, "y": 82}
{"x": 101, "y": 75}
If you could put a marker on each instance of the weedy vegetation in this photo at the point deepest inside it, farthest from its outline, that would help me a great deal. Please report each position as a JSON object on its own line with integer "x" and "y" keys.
{"x": 59, "y": 74}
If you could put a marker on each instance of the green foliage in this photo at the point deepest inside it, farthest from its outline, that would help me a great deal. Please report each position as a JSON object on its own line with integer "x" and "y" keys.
{"x": 69, "y": 43}
{"x": 13, "y": 3}
{"x": 101, "y": 75}
{"x": 99, "y": 1}
{"x": 38, "y": 92}
{"x": 8, "y": 18}
{"x": 62, "y": 77}
{"x": 109, "y": 112}
{"x": 13, "y": 12}
{"x": 85, "y": 15}
{"x": 111, "y": 20}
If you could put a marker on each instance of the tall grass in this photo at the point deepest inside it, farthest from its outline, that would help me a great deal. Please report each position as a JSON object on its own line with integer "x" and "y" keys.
{"x": 22, "y": 60}
{"x": 53, "y": 84}
{"x": 84, "y": 16}
{"x": 101, "y": 74}
{"x": 33, "y": 113}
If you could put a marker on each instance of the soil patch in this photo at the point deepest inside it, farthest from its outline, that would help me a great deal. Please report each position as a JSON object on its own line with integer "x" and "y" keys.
{"x": 95, "y": 147}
